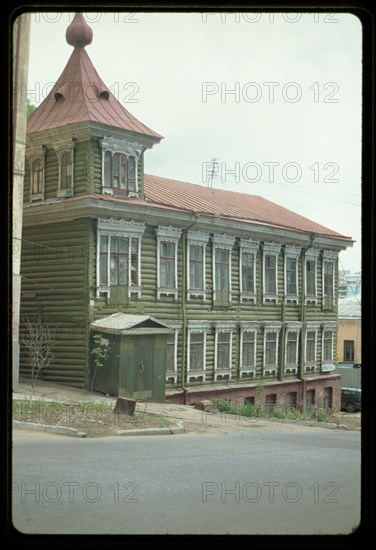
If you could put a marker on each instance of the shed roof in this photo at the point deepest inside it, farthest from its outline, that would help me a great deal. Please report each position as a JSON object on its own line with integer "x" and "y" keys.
{"x": 124, "y": 323}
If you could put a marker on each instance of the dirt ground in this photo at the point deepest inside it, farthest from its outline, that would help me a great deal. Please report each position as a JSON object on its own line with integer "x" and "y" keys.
{"x": 59, "y": 405}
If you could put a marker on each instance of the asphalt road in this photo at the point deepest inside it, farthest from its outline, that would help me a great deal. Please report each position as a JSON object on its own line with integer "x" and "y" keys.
{"x": 235, "y": 483}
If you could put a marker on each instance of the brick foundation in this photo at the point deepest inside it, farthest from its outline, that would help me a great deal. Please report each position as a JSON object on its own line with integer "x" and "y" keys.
{"x": 236, "y": 393}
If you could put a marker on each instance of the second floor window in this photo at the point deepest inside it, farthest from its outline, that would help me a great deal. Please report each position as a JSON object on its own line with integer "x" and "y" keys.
{"x": 348, "y": 350}
{"x": 270, "y": 274}
{"x": 271, "y": 339}
{"x": 248, "y": 262}
{"x": 222, "y": 267}
{"x": 37, "y": 177}
{"x": 310, "y": 277}
{"x": 167, "y": 264}
{"x": 328, "y": 279}
{"x": 196, "y": 351}
{"x": 118, "y": 263}
{"x": 310, "y": 352}
{"x": 248, "y": 349}
{"x": 223, "y": 350}
{"x": 327, "y": 351}
{"x": 291, "y": 287}
{"x": 196, "y": 267}
{"x": 291, "y": 347}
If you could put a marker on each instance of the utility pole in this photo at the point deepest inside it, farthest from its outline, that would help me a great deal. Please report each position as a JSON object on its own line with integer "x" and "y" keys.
{"x": 21, "y": 44}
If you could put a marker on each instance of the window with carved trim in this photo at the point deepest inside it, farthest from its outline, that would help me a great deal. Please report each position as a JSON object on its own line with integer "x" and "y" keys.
{"x": 119, "y": 173}
{"x": 66, "y": 170}
{"x": 37, "y": 177}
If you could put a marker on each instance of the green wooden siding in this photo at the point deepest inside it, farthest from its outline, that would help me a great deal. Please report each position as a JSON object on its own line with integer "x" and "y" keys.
{"x": 55, "y": 283}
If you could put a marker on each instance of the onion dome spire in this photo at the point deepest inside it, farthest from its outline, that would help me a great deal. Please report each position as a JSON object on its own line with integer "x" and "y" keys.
{"x": 79, "y": 34}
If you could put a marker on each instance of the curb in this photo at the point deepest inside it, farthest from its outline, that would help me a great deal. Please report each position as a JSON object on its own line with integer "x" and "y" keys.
{"x": 62, "y": 430}
{"x": 179, "y": 429}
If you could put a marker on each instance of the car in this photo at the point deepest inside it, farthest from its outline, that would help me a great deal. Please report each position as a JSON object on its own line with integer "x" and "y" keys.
{"x": 351, "y": 399}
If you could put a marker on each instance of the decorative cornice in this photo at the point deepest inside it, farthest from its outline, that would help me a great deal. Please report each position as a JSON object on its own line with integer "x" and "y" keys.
{"x": 197, "y": 238}
{"x": 330, "y": 254}
{"x": 123, "y": 226}
{"x": 292, "y": 251}
{"x": 271, "y": 248}
{"x": 169, "y": 233}
{"x": 329, "y": 325}
{"x": 223, "y": 241}
{"x": 249, "y": 245}
{"x": 122, "y": 145}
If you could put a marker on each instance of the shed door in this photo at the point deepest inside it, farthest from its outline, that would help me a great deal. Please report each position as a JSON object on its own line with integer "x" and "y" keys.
{"x": 143, "y": 367}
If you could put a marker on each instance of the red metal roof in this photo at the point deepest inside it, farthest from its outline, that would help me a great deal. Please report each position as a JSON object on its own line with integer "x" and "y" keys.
{"x": 228, "y": 204}
{"x": 80, "y": 95}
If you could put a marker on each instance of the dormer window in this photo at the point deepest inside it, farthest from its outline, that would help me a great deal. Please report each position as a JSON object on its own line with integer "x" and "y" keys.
{"x": 66, "y": 171}
{"x": 119, "y": 174}
{"x": 37, "y": 179}
{"x": 66, "y": 176}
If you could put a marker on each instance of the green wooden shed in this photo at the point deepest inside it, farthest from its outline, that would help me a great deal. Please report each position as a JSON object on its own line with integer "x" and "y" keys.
{"x": 135, "y": 364}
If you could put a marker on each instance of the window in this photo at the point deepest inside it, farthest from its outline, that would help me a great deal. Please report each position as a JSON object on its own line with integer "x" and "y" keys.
{"x": 119, "y": 248}
{"x": 310, "y": 278}
{"x": 291, "y": 287}
{"x": 270, "y": 272}
{"x": 348, "y": 351}
{"x": 328, "y": 279}
{"x": 327, "y": 350}
{"x": 248, "y": 350}
{"x": 310, "y": 352}
{"x": 222, "y": 247}
{"x": 271, "y": 341}
{"x": 196, "y": 263}
{"x": 271, "y": 399}
{"x": 223, "y": 350}
{"x": 328, "y": 398}
{"x": 291, "y": 347}
{"x": 222, "y": 269}
{"x": 310, "y": 398}
{"x": 292, "y": 399}
{"x": 196, "y": 351}
{"x": 249, "y": 400}
{"x": 247, "y": 269}
{"x": 167, "y": 262}
{"x": 196, "y": 267}
{"x": 119, "y": 173}
{"x": 170, "y": 353}
{"x": 66, "y": 171}
{"x": 37, "y": 178}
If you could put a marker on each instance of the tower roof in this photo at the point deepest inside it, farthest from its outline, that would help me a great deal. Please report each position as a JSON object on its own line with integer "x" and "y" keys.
{"x": 80, "y": 95}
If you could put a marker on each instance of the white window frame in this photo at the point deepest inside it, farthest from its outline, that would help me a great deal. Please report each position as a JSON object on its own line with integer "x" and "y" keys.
{"x": 328, "y": 364}
{"x": 196, "y": 238}
{"x": 171, "y": 235}
{"x": 124, "y": 147}
{"x": 202, "y": 328}
{"x": 311, "y": 327}
{"x": 228, "y": 327}
{"x": 119, "y": 228}
{"x": 66, "y": 192}
{"x": 249, "y": 247}
{"x": 330, "y": 257}
{"x": 270, "y": 249}
{"x": 37, "y": 196}
{"x": 223, "y": 242}
{"x": 248, "y": 327}
{"x": 292, "y": 252}
{"x": 173, "y": 375}
{"x": 296, "y": 328}
{"x": 268, "y": 328}
{"x": 311, "y": 255}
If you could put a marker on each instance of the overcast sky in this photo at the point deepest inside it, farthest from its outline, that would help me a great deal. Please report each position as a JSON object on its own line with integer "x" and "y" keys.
{"x": 250, "y": 90}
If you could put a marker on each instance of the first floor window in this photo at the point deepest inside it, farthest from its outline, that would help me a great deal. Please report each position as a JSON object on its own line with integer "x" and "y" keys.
{"x": 103, "y": 265}
{"x": 248, "y": 349}
{"x": 291, "y": 347}
{"x": 310, "y": 346}
{"x": 167, "y": 264}
{"x": 328, "y": 398}
{"x": 270, "y": 349}
{"x": 270, "y": 274}
{"x": 271, "y": 399}
{"x": 327, "y": 345}
{"x": 310, "y": 398}
{"x": 170, "y": 353}
{"x": 292, "y": 398}
{"x": 348, "y": 350}
{"x": 196, "y": 351}
{"x": 223, "y": 350}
